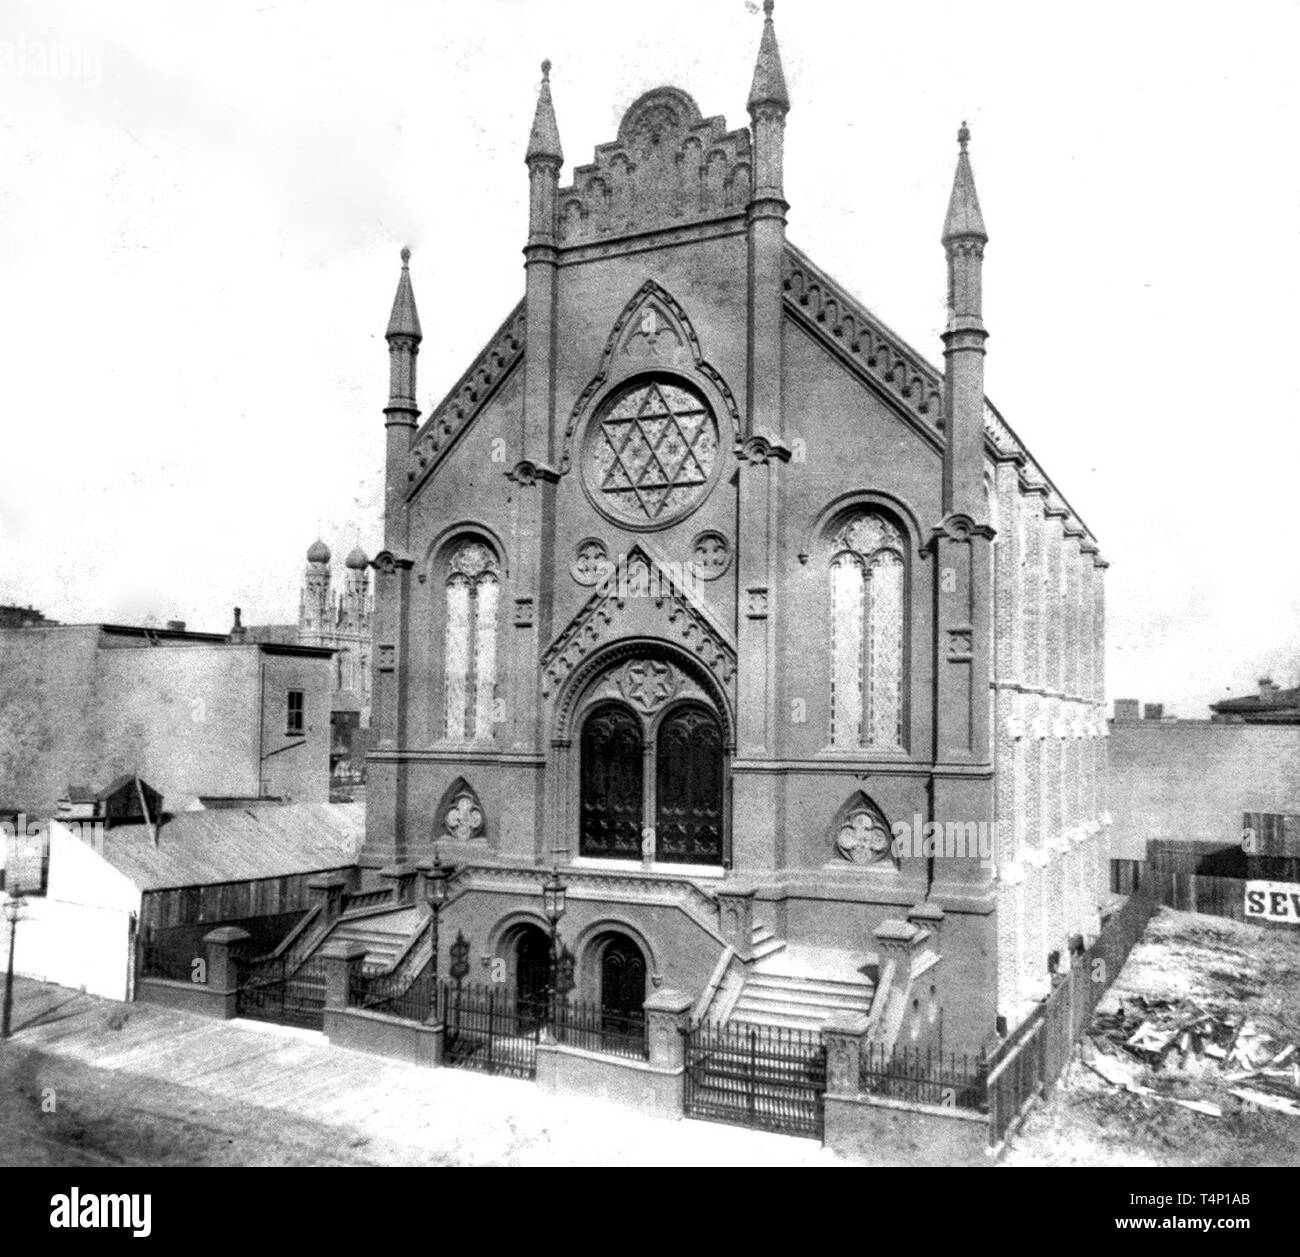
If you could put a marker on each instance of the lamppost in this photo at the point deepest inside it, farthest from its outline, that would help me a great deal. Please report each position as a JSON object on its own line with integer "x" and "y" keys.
{"x": 435, "y": 892}
{"x": 13, "y": 911}
{"x": 554, "y": 894}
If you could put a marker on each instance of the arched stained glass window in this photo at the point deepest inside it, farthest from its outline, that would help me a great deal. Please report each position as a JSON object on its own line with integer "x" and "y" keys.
{"x": 469, "y": 641}
{"x": 868, "y": 576}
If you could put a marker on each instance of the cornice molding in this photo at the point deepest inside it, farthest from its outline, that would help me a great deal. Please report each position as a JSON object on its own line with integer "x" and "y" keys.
{"x": 454, "y": 414}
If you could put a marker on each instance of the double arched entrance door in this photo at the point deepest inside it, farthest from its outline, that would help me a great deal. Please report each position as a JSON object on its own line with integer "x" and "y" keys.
{"x": 619, "y": 970}
{"x": 652, "y": 784}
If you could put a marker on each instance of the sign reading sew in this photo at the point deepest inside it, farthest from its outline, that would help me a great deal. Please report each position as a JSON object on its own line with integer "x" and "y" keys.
{"x": 1273, "y": 901}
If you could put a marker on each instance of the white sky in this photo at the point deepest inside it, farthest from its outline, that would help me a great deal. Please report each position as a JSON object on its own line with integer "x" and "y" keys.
{"x": 201, "y": 208}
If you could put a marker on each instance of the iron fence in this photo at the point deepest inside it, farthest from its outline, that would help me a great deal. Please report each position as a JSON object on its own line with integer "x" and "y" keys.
{"x": 270, "y": 991}
{"x": 489, "y": 1029}
{"x": 585, "y": 1025}
{"x": 1029, "y": 1063}
{"x": 759, "y": 1076}
{"x": 413, "y": 999}
{"x": 924, "y": 1076}
{"x": 1015, "y": 1081}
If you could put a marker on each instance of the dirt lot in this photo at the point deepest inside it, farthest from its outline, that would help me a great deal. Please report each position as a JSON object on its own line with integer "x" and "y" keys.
{"x": 1203, "y": 1012}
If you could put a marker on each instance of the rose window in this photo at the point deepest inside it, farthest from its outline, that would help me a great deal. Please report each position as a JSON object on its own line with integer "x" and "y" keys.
{"x": 651, "y": 453}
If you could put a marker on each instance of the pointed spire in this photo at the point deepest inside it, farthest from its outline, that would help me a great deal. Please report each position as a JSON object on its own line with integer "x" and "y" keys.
{"x": 964, "y": 221}
{"x": 769, "y": 79}
{"x": 404, "y": 321}
{"x": 544, "y": 140}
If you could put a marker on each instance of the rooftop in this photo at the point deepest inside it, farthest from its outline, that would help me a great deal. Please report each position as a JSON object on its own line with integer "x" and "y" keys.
{"x": 238, "y": 844}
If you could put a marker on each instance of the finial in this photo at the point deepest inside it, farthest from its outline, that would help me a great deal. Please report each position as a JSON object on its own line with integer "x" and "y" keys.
{"x": 406, "y": 257}
{"x": 964, "y": 220}
{"x": 544, "y": 139}
{"x": 769, "y": 79}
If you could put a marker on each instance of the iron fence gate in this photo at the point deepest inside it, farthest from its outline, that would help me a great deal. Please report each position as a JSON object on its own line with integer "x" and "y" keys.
{"x": 489, "y": 1028}
{"x": 270, "y": 991}
{"x": 761, "y": 1076}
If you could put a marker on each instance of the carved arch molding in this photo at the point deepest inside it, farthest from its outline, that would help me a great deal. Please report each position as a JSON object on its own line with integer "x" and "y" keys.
{"x": 652, "y": 331}
{"x": 645, "y": 677}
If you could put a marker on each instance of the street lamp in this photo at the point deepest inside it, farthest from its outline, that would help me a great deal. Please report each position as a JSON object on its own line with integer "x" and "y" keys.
{"x": 554, "y": 894}
{"x": 13, "y": 911}
{"x": 436, "y": 878}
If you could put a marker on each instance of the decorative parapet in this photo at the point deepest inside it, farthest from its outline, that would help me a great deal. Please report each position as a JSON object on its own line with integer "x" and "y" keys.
{"x": 464, "y": 402}
{"x": 898, "y": 370}
{"x": 669, "y": 166}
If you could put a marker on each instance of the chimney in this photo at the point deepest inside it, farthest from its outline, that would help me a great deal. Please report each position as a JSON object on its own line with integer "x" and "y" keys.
{"x": 238, "y": 634}
{"x": 1267, "y": 690}
{"x": 1126, "y": 709}
{"x": 1153, "y": 711}
{"x": 176, "y": 626}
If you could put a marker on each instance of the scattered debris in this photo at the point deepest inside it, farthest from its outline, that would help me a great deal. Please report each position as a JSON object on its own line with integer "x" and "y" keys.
{"x": 1147, "y": 1038}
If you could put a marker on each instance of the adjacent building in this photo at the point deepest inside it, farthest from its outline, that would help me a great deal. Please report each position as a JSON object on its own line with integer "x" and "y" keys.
{"x": 341, "y": 623}
{"x": 1272, "y": 705}
{"x": 193, "y": 714}
{"x": 131, "y": 898}
{"x": 1190, "y": 781}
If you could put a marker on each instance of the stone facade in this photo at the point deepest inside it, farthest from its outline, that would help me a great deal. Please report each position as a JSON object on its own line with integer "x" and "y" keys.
{"x": 697, "y": 527}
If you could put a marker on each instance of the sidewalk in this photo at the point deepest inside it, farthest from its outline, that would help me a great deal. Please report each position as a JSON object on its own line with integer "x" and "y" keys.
{"x": 157, "y": 1085}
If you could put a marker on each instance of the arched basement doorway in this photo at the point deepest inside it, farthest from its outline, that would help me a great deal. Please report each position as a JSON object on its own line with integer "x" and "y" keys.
{"x": 622, "y": 982}
{"x": 532, "y": 970}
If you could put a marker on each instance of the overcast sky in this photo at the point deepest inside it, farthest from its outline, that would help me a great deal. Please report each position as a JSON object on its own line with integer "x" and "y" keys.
{"x": 201, "y": 208}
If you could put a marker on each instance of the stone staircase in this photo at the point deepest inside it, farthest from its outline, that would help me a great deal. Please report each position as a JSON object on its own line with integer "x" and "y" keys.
{"x": 801, "y": 987}
{"x": 383, "y": 934}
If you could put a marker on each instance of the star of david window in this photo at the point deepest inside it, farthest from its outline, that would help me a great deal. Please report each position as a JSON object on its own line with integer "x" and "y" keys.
{"x": 651, "y": 453}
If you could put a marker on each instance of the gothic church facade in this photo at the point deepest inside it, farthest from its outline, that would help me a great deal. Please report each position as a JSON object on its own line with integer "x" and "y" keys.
{"x": 706, "y": 589}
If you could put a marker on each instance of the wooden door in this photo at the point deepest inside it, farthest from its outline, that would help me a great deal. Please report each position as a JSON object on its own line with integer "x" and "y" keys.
{"x": 612, "y": 780}
{"x": 689, "y": 780}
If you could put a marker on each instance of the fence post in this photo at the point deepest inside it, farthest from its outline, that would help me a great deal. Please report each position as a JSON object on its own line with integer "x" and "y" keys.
{"x": 401, "y": 877}
{"x": 326, "y": 892}
{"x": 736, "y": 918}
{"x": 844, "y": 1035}
{"x": 667, "y": 1017}
{"x": 342, "y": 958}
{"x": 222, "y": 947}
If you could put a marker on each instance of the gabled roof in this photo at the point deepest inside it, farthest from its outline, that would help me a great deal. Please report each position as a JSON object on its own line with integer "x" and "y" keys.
{"x": 453, "y": 414}
{"x": 238, "y": 844}
{"x": 892, "y": 367}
